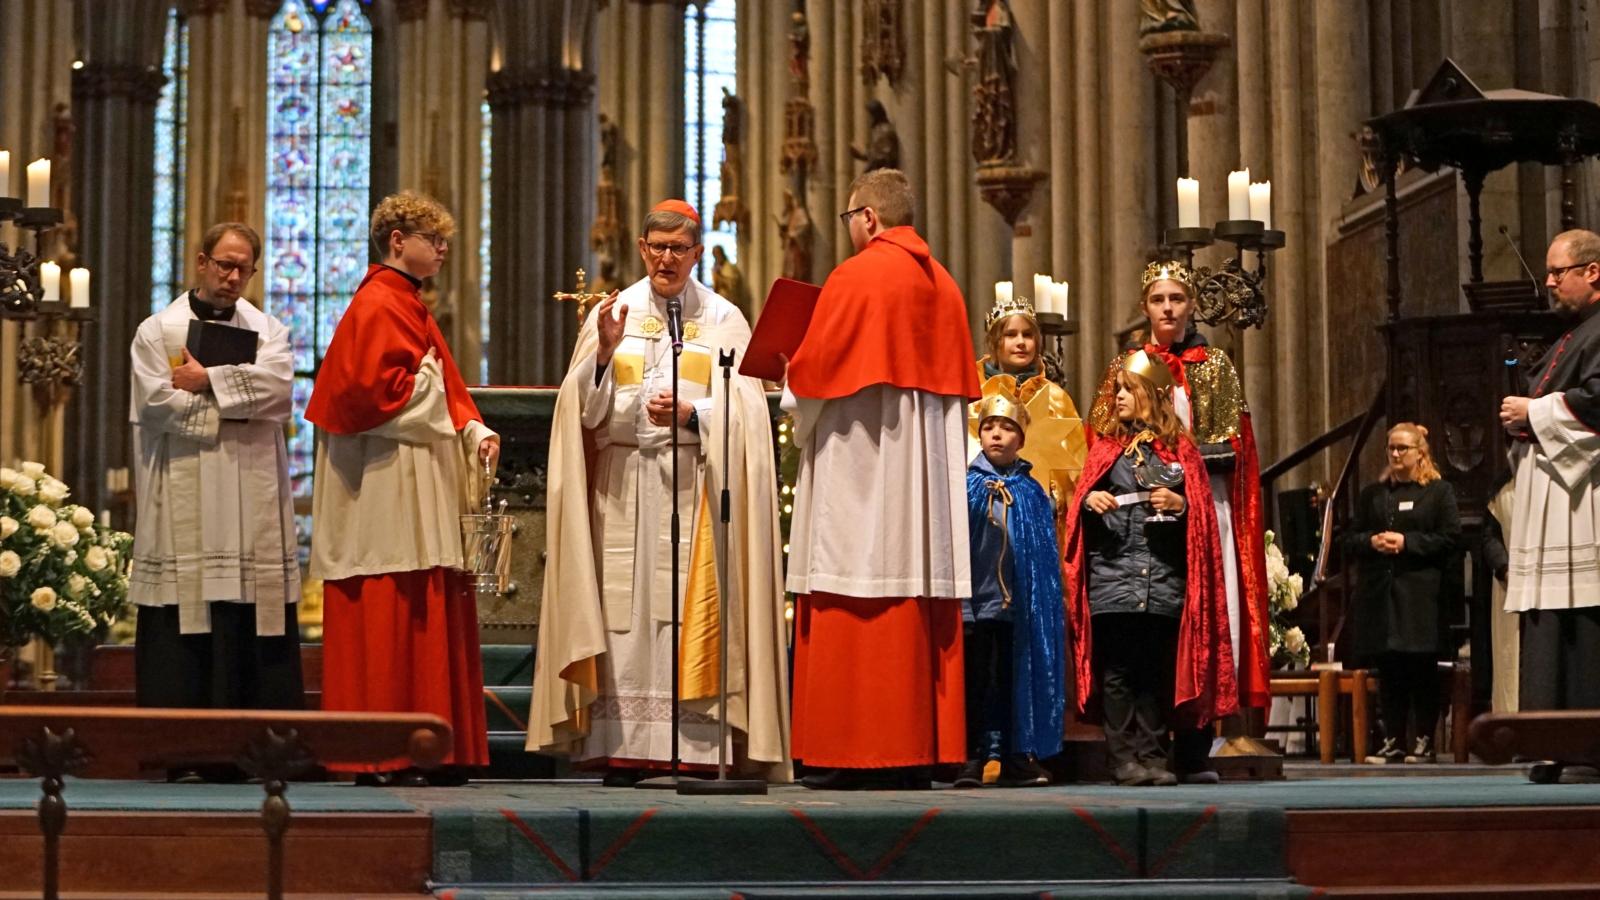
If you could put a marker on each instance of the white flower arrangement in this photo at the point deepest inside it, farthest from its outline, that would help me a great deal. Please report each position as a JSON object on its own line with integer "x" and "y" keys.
{"x": 1288, "y": 644}
{"x": 60, "y": 572}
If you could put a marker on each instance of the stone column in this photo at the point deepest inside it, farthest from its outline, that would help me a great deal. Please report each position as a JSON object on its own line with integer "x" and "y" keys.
{"x": 114, "y": 97}
{"x": 225, "y": 168}
{"x": 541, "y": 93}
{"x": 1258, "y": 364}
{"x": 1030, "y": 237}
{"x": 36, "y": 42}
{"x": 443, "y": 68}
{"x": 641, "y": 89}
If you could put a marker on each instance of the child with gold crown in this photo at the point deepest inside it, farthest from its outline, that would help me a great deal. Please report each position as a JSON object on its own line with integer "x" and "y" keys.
{"x": 1146, "y": 602}
{"x": 1012, "y": 624}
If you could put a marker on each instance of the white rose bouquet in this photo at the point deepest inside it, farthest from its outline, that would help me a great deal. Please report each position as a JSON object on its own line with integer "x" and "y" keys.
{"x": 61, "y": 573}
{"x": 1288, "y": 644}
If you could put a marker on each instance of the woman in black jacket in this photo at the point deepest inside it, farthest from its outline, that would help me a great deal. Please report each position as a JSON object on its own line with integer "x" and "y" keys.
{"x": 1407, "y": 536}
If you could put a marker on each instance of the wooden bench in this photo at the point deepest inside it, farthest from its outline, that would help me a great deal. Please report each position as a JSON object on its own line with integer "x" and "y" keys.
{"x": 1568, "y": 735}
{"x": 1327, "y": 685}
{"x": 51, "y": 742}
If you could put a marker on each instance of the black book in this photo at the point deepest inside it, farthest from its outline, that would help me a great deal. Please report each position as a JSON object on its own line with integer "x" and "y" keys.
{"x": 215, "y": 344}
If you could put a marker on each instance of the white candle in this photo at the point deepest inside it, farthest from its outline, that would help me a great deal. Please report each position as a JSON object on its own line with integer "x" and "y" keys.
{"x": 79, "y": 279}
{"x": 1261, "y": 202}
{"x": 1058, "y": 301}
{"x": 5, "y": 173}
{"x": 1239, "y": 195}
{"x": 1188, "y": 203}
{"x": 1041, "y": 294}
{"x": 50, "y": 280}
{"x": 39, "y": 183}
{"x": 105, "y": 518}
{"x": 1002, "y": 292}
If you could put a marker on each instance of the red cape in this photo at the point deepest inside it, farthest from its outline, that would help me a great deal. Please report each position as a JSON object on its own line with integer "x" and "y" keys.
{"x": 367, "y": 376}
{"x": 891, "y": 314}
{"x": 1205, "y": 687}
{"x": 1254, "y": 665}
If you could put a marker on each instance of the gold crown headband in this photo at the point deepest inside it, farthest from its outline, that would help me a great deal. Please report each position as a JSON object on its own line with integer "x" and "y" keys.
{"x": 1016, "y": 306}
{"x": 1150, "y": 369}
{"x": 1000, "y": 400}
{"x": 1167, "y": 270}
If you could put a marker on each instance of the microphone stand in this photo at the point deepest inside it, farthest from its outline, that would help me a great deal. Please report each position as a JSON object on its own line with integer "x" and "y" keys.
{"x": 723, "y": 784}
{"x": 675, "y": 333}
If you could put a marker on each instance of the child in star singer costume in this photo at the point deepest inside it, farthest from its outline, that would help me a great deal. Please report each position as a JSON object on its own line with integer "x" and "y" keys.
{"x": 1146, "y": 603}
{"x": 1012, "y": 624}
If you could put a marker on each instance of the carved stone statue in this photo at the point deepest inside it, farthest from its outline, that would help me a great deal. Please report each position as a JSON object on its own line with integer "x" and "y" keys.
{"x": 883, "y": 50}
{"x": 883, "y": 142}
{"x": 727, "y": 279}
{"x": 794, "y": 228}
{"x": 605, "y": 235}
{"x": 1156, "y": 16}
{"x": 605, "y": 281}
{"x": 994, "y": 121}
{"x": 730, "y": 206}
{"x": 799, "y": 52}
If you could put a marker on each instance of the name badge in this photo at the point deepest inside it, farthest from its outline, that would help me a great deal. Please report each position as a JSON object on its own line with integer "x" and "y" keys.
{"x": 1406, "y": 505}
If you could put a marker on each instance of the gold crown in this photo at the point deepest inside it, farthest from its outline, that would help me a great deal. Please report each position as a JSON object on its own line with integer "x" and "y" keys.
{"x": 1149, "y": 368}
{"x": 1167, "y": 270}
{"x": 1000, "y": 399}
{"x": 1016, "y": 306}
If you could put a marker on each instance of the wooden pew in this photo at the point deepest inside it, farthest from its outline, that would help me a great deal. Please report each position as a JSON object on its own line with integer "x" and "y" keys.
{"x": 51, "y": 742}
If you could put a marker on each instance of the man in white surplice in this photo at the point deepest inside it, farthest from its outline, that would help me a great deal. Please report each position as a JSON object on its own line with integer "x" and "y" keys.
{"x": 1553, "y": 573}
{"x": 215, "y": 568}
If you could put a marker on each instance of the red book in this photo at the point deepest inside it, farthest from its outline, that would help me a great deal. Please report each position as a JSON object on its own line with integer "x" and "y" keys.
{"x": 783, "y": 323}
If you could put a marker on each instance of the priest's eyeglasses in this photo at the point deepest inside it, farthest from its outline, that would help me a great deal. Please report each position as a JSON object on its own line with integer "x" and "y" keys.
{"x": 1560, "y": 272}
{"x": 849, "y": 214}
{"x": 676, "y": 251}
{"x": 226, "y": 268}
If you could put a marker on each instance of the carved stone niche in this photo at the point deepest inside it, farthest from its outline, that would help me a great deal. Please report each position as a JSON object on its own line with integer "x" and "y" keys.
{"x": 1008, "y": 188}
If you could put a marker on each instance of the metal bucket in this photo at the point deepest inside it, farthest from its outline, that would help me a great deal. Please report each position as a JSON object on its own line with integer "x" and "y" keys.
{"x": 486, "y": 549}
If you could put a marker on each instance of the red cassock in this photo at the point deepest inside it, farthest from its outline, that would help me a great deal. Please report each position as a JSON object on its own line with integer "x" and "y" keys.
{"x": 878, "y": 680}
{"x": 1205, "y": 687}
{"x": 398, "y": 641}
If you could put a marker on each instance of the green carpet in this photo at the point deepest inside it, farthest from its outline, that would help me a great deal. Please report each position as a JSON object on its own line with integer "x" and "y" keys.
{"x": 1153, "y": 890}
{"x": 91, "y": 795}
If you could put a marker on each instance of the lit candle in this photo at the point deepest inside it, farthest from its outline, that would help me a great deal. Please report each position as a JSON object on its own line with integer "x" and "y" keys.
{"x": 79, "y": 279}
{"x": 1188, "y": 203}
{"x": 1239, "y": 195}
{"x": 39, "y": 183}
{"x": 50, "y": 279}
{"x": 1261, "y": 203}
{"x": 1002, "y": 292}
{"x": 1058, "y": 302}
{"x": 1041, "y": 294}
{"x": 5, "y": 173}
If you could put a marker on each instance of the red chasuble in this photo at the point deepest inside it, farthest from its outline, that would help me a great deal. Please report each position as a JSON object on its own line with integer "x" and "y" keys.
{"x": 891, "y": 314}
{"x": 1205, "y": 687}
{"x": 372, "y": 361}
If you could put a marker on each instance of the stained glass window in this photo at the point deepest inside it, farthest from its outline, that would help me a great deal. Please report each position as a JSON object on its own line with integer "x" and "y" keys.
{"x": 167, "y": 256}
{"x": 710, "y": 54}
{"x": 484, "y": 145}
{"x": 319, "y": 124}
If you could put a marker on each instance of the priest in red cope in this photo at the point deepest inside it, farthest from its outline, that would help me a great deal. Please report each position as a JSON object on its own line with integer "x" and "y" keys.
{"x": 879, "y": 555}
{"x": 401, "y": 453}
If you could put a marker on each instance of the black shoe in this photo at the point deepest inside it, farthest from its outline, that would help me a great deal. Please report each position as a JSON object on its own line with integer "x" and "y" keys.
{"x": 621, "y": 778}
{"x": 1390, "y": 752}
{"x": 1022, "y": 771}
{"x": 1545, "y": 772}
{"x": 408, "y": 778}
{"x": 865, "y": 780}
{"x": 372, "y": 779}
{"x": 971, "y": 775}
{"x": 447, "y": 776}
{"x": 1422, "y": 752}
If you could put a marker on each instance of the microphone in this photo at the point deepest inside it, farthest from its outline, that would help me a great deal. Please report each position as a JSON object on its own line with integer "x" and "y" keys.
{"x": 675, "y": 323}
{"x": 1537, "y": 288}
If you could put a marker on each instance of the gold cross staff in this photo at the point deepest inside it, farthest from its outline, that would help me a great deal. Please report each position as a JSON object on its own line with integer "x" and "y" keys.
{"x": 581, "y": 294}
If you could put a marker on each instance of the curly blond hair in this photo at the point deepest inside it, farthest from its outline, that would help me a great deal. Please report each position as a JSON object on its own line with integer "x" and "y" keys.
{"x": 412, "y": 213}
{"x": 1426, "y": 470}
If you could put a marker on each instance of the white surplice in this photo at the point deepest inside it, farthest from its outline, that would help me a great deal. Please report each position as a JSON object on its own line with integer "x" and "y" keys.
{"x": 215, "y": 507}
{"x": 1554, "y": 539}
{"x": 892, "y": 519}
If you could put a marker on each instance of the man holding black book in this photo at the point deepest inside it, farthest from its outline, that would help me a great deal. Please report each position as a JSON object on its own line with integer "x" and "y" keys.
{"x": 215, "y": 568}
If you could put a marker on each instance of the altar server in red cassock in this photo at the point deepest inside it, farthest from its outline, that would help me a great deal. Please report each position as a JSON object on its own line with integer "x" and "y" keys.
{"x": 879, "y": 551}
{"x": 399, "y": 462}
